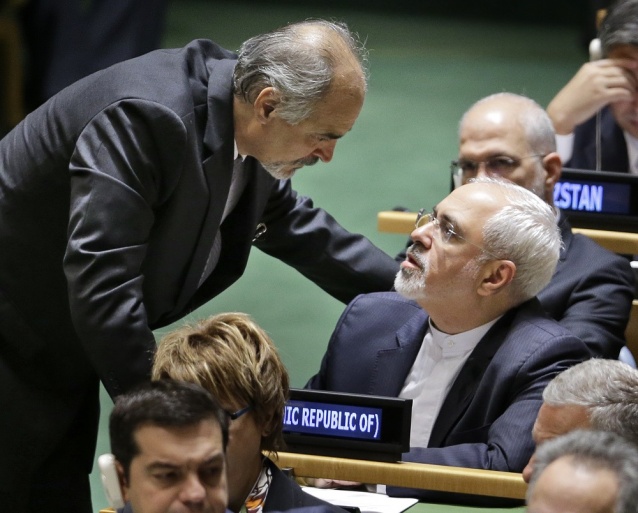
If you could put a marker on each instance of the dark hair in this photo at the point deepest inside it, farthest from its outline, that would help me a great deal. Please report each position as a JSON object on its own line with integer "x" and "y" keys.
{"x": 164, "y": 403}
{"x": 620, "y": 26}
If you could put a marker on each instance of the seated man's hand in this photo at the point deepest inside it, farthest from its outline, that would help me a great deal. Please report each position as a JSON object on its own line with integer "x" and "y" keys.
{"x": 594, "y": 86}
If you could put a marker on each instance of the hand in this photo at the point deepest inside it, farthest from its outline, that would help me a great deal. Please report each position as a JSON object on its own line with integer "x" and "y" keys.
{"x": 595, "y": 85}
{"x": 331, "y": 483}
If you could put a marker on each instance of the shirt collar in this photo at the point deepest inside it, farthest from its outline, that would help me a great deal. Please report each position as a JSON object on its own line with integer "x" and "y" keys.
{"x": 461, "y": 343}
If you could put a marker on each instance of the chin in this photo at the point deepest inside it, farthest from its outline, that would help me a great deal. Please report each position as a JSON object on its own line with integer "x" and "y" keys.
{"x": 280, "y": 172}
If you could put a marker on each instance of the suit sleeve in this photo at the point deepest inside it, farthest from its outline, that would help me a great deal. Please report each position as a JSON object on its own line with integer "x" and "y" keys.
{"x": 598, "y": 307}
{"x": 343, "y": 264}
{"x": 508, "y": 444}
{"x": 119, "y": 174}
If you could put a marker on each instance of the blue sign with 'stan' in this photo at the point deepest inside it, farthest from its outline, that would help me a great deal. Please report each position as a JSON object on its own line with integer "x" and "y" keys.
{"x": 608, "y": 198}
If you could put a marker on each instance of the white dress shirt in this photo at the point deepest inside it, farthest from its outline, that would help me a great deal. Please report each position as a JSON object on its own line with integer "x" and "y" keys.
{"x": 435, "y": 368}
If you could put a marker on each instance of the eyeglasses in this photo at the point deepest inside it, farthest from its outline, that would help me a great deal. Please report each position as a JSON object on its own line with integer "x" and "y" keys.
{"x": 500, "y": 165}
{"x": 444, "y": 232}
{"x": 235, "y": 415}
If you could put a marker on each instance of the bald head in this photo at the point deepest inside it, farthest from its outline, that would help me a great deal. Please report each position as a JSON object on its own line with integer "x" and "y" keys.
{"x": 510, "y": 136}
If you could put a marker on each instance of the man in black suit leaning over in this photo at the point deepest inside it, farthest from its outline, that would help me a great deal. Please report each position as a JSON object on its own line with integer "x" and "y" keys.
{"x": 510, "y": 136}
{"x": 464, "y": 337}
{"x": 134, "y": 196}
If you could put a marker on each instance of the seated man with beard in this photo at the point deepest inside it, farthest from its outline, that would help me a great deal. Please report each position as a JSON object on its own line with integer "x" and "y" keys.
{"x": 465, "y": 337}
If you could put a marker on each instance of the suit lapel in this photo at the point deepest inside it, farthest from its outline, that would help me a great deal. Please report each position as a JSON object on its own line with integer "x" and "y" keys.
{"x": 464, "y": 387}
{"x": 217, "y": 169}
{"x": 393, "y": 364}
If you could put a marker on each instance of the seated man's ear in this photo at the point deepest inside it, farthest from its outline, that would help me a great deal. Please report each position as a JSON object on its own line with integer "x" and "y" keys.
{"x": 496, "y": 276}
{"x": 122, "y": 481}
{"x": 553, "y": 168}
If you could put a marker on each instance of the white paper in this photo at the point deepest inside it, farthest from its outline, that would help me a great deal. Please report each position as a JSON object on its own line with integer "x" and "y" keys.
{"x": 365, "y": 501}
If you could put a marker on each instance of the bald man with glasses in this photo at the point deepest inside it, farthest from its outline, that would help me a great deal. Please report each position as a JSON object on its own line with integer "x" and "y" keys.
{"x": 511, "y": 136}
{"x": 464, "y": 336}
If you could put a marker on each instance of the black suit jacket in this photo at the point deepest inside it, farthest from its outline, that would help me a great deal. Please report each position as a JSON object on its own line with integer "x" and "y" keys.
{"x": 111, "y": 195}
{"x": 487, "y": 417}
{"x": 285, "y": 494}
{"x": 590, "y": 293}
{"x": 613, "y": 147}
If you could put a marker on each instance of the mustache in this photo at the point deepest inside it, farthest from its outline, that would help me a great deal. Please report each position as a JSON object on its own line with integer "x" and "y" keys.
{"x": 416, "y": 253}
{"x": 306, "y": 161}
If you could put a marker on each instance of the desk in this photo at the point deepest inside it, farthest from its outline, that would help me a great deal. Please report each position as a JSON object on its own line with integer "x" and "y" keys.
{"x": 410, "y": 475}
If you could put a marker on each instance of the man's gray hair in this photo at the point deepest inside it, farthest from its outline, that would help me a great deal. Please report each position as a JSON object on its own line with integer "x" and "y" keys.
{"x": 525, "y": 232}
{"x": 299, "y": 67}
{"x": 538, "y": 127}
{"x": 594, "y": 450}
{"x": 620, "y": 26}
{"x": 608, "y": 389}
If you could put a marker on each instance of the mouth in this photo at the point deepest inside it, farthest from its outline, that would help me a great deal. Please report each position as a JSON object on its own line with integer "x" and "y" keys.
{"x": 412, "y": 260}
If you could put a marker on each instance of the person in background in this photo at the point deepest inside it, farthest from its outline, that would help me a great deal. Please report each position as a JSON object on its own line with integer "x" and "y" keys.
{"x": 585, "y": 472}
{"x": 134, "y": 196}
{"x": 68, "y": 40}
{"x": 597, "y": 394}
{"x": 590, "y": 293}
{"x": 236, "y": 361}
{"x": 464, "y": 336}
{"x": 169, "y": 441}
{"x": 596, "y": 114}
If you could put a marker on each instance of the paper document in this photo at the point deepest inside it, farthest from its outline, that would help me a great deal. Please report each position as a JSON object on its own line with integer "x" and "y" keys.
{"x": 365, "y": 501}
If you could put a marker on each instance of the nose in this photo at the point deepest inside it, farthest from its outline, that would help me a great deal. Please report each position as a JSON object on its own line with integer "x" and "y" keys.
{"x": 481, "y": 170}
{"x": 325, "y": 151}
{"x": 424, "y": 234}
{"x": 192, "y": 491}
{"x": 529, "y": 468}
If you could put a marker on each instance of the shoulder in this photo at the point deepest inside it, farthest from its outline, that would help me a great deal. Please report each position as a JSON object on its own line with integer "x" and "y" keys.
{"x": 383, "y": 304}
{"x": 531, "y": 331}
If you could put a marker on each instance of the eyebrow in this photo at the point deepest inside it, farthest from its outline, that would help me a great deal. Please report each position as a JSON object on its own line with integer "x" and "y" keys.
{"x": 217, "y": 458}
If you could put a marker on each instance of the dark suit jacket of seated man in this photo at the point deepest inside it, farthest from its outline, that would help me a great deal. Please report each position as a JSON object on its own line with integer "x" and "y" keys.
{"x": 486, "y": 415}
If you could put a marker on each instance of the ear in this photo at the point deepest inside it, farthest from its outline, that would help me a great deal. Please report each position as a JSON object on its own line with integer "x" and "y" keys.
{"x": 553, "y": 167}
{"x": 265, "y": 104}
{"x": 121, "y": 476}
{"x": 496, "y": 276}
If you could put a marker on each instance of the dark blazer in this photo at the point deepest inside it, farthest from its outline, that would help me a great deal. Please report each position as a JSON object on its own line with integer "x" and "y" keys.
{"x": 613, "y": 147}
{"x": 111, "y": 195}
{"x": 590, "y": 293}
{"x": 285, "y": 494}
{"x": 487, "y": 417}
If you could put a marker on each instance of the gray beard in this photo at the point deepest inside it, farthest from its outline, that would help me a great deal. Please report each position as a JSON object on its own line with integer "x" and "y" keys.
{"x": 410, "y": 283}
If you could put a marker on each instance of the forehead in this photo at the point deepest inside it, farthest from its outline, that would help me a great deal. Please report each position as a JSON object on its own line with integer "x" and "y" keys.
{"x": 553, "y": 421}
{"x": 338, "y": 110}
{"x": 493, "y": 129}
{"x": 472, "y": 204}
{"x": 178, "y": 445}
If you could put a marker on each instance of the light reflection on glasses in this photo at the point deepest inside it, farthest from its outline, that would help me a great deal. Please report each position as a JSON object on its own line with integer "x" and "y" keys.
{"x": 444, "y": 231}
